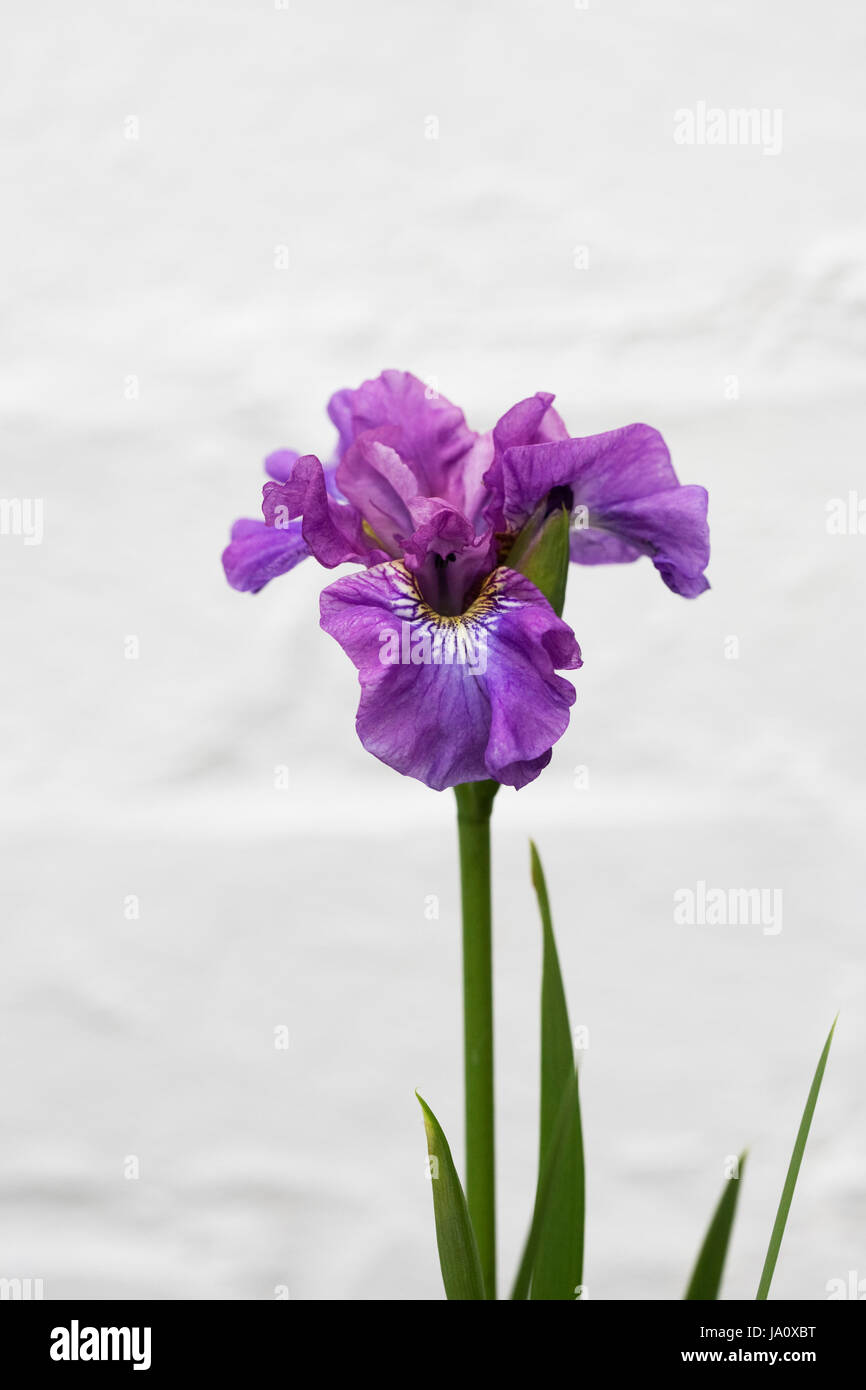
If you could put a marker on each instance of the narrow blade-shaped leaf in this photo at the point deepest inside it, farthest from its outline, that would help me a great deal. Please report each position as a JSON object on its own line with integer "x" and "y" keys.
{"x": 547, "y": 1183}
{"x": 706, "y": 1277}
{"x": 793, "y": 1172}
{"x": 558, "y": 1266}
{"x": 458, "y": 1252}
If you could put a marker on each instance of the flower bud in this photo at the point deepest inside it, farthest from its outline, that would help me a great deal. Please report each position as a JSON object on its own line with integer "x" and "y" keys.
{"x": 541, "y": 552}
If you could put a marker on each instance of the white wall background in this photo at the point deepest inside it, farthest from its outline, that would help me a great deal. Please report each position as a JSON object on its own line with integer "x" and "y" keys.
{"x": 304, "y": 126}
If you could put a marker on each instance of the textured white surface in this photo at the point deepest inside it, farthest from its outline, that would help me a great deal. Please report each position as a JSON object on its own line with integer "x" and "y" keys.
{"x": 154, "y": 257}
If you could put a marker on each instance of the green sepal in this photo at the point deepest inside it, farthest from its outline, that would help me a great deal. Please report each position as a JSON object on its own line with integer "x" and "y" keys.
{"x": 541, "y": 552}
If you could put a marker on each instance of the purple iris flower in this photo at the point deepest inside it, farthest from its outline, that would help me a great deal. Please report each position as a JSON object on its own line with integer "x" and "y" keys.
{"x": 457, "y": 653}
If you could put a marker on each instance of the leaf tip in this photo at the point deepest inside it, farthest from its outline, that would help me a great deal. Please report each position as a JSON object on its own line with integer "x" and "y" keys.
{"x": 535, "y": 869}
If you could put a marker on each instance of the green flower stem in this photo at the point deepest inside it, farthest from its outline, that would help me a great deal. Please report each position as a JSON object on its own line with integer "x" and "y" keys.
{"x": 474, "y": 807}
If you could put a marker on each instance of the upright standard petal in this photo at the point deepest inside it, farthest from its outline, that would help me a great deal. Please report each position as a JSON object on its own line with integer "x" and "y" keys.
{"x": 461, "y": 698}
{"x": 259, "y": 553}
{"x": 531, "y": 421}
{"x": 473, "y": 495}
{"x": 427, "y": 430}
{"x": 377, "y": 482}
{"x": 625, "y": 498}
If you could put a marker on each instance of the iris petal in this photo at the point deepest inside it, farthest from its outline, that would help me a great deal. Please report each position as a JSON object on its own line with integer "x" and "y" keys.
{"x": 431, "y": 433}
{"x": 627, "y": 498}
{"x": 258, "y": 553}
{"x": 333, "y": 530}
{"x": 455, "y": 699}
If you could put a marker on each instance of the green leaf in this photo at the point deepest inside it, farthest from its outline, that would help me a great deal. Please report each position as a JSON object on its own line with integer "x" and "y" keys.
{"x": 558, "y": 1269}
{"x": 541, "y": 552}
{"x": 547, "y": 1183}
{"x": 552, "y": 1263}
{"x": 706, "y": 1277}
{"x": 793, "y": 1171}
{"x": 458, "y": 1252}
